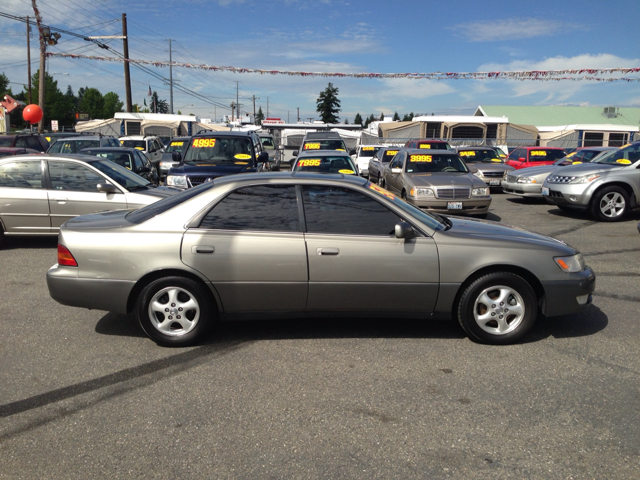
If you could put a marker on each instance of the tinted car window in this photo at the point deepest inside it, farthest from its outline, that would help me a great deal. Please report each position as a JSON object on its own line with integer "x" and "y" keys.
{"x": 6, "y": 141}
{"x": 484, "y": 155}
{"x": 122, "y": 159}
{"x": 21, "y": 142}
{"x": 622, "y": 156}
{"x": 121, "y": 175}
{"x": 176, "y": 146}
{"x": 220, "y": 150}
{"x": 545, "y": 155}
{"x": 340, "y": 210}
{"x": 324, "y": 145}
{"x": 368, "y": 151}
{"x": 434, "y": 163}
{"x": 388, "y": 155}
{"x": 32, "y": 142}
{"x": 139, "y": 144}
{"x": 260, "y": 207}
{"x": 21, "y": 175}
{"x": 337, "y": 164}
{"x": 73, "y": 177}
{"x": 145, "y": 213}
{"x": 72, "y": 146}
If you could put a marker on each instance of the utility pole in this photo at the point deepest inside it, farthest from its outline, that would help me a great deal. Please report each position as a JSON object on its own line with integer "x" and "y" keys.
{"x": 42, "y": 73}
{"x": 267, "y": 107}
{"x": 298, "y": 121}
{"x": 29, "y": 57}
{"x": 233, "y": 106}
{"x": 254, "y": 107}
{"x": 170, "y": 80}
{"x": 127, "y": 76}
{"x": 237, "y": 101}
{"x": 287, "y": 116}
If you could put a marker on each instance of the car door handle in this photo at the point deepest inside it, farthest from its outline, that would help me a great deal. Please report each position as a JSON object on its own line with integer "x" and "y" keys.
{"x": 328, "y": 251}
{"x": 60, "y": 200}
{"x": 202, "y": 249}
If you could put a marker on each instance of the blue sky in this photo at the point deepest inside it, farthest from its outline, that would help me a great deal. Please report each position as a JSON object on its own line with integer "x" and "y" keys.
{"x": 341, "y": 36}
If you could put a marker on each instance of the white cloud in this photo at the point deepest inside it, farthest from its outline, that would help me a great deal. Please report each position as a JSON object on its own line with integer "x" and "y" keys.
{"x": 511, "y": 28}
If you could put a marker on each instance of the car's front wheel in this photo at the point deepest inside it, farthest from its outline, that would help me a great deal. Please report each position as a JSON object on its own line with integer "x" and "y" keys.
{"x": 497, "y": 308}
{"x": 610, "y": 204}
{"x": 175, "y": 311}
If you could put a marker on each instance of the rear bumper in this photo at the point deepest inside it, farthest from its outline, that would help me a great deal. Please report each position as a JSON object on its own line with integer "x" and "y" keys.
{"x": 569, "y": 296}
{"x": 95, "y": 294}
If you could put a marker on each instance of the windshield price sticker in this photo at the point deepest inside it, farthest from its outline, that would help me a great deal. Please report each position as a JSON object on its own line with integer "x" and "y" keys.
{"x": 381, "y": 191}
{"x": 309, "y": 163}
{"x": 240, "y": 163}
{"x": 242, "y": 156}
{"x": 346, "y": 172}
{"x": 470, "y": 153}
{"x": 624, "y": 161}
{"x": 176, "y": 144}
{"x": 311, "y": 146}
{"x": 204, "y": 142}
{"x": 390, "y": 153}
{"x": 420, "y": 158}
{"x": 425, "y": 146}
{"x": 538, "y": 153}
{"x": 367, "y": 149}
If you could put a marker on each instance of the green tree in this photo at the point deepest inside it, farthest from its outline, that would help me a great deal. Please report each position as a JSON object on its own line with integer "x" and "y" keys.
{"x": 396, "y": 117}
{"x": 112, "y": 104}
{"x": 381, "y": 116}
{"x": 372, "y": 118}
{"x": 357, "y": 119}
{"x": 4, "y": 85}
{"x": 158, "y": 105}
{"x": 259, "y": 116}
{"x": 346, "y": 121}
{"x": 92, "y": 103}
{"x": 407, "y": 117}
{"x": 56, "y": 104}
{"x": 328, "y": 105}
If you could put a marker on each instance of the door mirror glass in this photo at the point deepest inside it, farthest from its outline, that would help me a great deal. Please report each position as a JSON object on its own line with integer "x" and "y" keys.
{"x": 106, "y": 188}
{"x": 263, "y": 157}
{"x": 522, "y": 159}
{"x": 396, "y": 170}
{"x": 176, "y": 157}
{"x": 404, "y": 230}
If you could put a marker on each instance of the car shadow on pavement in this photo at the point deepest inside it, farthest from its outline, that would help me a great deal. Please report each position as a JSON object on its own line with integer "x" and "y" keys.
{"x": 13, "y": 243}
{"x": 526, "y": 200}
{"x": 119, "y": 325}
{"x": 588, "y": 322}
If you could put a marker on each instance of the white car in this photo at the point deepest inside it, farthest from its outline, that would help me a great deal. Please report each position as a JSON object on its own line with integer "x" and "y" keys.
{"x": 364, "y": 154}
{"x": 151, "y": 146}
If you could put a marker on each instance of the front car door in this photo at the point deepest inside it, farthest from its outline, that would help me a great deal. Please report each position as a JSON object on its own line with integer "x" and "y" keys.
{"x": 251, "y": 248}
{"x": 355, "y": 261}
{"x": 394, "y": 180}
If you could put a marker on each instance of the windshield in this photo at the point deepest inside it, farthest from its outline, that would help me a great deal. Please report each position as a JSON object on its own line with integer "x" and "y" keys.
{"x": 325, "y": 145}
{"x": 267, "y": 143}
{"x": 123, "y": 159}
{"x": 545, "y": 155}
{"x": 434, "y": 163}
{"x": 388, "y": 155}
{"x": 627, "y": 155}
{"x": 424, "y": 217}
{"x": 72, "y": 146}
{"x": 219, "y": 151}
{"x": 485, "y": 155}
{"x": 368, "y": 151}
{"x": 120, "y": 175}
{"x": 337, "y": 164}
{"x": 6, "y": 141}
{"x": 433, "y": 146}
{"x": 139, "y": 144}
{"x": 176, "y": 146}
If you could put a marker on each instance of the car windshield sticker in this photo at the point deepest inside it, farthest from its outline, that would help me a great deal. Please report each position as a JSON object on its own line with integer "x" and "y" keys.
{"x": 48, "y": 139}
{"x": 571, "y": 154}
{"x": 140, "y": 148}
{"x": 469, "y": 153}
{"x": 176, "y": 144}
{"x": 346, "y": 172}
{"x": 425, "y": 146}
{"x": 315, "y": 162}
{"x": 204, "y": 142}
{"x": 367, "y": 149}
{"x": 496, "y": 160}
{"x": 538, "y": 153}
{"x": 206, "y": 164}
{"x": 311, "y": 146}
{"x": 389, "y": 153}
{"x": 382, "y": 191}
{"x": 624, "y": 161}
{"x": 420, "y": 158}
{"x": 575, "y": 163}
{"x": 340, "y": 149}
{"x": 242, "y": 156}
{"x": 240, "y": 163}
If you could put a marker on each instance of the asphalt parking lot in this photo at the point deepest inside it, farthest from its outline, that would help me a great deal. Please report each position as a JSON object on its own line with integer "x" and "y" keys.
{"x": 84, "y": 394}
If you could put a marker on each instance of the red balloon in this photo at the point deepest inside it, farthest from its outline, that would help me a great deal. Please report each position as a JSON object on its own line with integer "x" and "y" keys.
{"x": 32, "y": 113}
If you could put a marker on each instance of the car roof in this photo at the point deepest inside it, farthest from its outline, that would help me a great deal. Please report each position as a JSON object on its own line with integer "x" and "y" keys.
{"x": 542, "y": 148}
{"x": 323, "y": 135}
{"x": 108, "y": 149}
{"x": 58, "y": 156}
{"x": 210, "y": 133}
{"x": 323, "y": 153}
{"x": 82, "y": 137}
{"x": 419, "y": 151}
{"x": 473, "y": 148}
{"x": 290, "y": 177}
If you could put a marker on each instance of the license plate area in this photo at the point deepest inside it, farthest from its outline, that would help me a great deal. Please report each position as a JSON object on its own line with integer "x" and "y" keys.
{"x": 494, "y": 182}
{"x": 454, "y": 205}
{"x": 545, "y": 191}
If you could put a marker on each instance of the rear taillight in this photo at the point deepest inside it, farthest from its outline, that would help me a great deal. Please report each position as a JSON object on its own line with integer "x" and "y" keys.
{"x": 65, "y": 258}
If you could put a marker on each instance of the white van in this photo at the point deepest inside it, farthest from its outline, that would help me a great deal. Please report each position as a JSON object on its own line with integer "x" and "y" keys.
{"x": 364, "y": 153}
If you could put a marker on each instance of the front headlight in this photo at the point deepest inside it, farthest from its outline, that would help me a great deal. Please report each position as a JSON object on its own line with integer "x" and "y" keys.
{"x": 422, "y": 192}
{"x": 480, "y": 192}
{"x": 572, "y": 264}
{"x": 584, "y": 179}
{"x": 177, "y": 181}
{"x": 479, "y": 174}
{"x": 526, "y": 180}
{"x": 168, "y": 164}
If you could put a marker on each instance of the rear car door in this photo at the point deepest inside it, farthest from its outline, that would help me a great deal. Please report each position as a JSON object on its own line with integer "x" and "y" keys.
{"x": 74, "y": 192}
{"x": 355, "y": 261}
{"x": 24, "y": 206}
{"x": 251, "y": 248}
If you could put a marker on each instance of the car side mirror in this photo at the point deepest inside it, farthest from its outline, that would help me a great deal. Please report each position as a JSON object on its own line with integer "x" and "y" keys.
{"x": 263, "y": 157}
{"x": 522, "y": 159}
{"x": 144, "y": 170}
{"x": 176, "y": 157}
{"x": 280, "y": 147}
{"x": 352, "y": 151}
{"x": 106, "y": 188}
{"x": 404, "y": 230}
{"x": 396, "y": 170}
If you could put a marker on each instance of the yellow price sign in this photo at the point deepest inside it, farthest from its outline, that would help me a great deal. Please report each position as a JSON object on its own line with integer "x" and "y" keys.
{"x": 469, "y": 153}
{"x": 538, "y": 153}
{"x": 309, "y": 163}
{"x": 368, "y": 149}
{"x": 389, "y": 153}
{"x": 346, "y": 172}
{"x": 420, "y": 158}
{"x": 204, "y": 142}
{"x": 311, "y": 146}
{"x": 623, "y": 161}
{"x": 176, "y": 144}
{"x": 242, "y": 156}
{"x": 425, "y": 146}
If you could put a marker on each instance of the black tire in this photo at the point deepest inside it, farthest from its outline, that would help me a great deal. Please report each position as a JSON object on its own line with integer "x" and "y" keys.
{"x": 403, "y": 195}
{"x": 189, "y": 325}
{"x": 494, "y": 323}
{"x": 611, "y": 204}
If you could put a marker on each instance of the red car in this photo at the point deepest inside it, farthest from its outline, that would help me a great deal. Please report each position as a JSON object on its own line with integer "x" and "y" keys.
{"x": 523, "y": 157}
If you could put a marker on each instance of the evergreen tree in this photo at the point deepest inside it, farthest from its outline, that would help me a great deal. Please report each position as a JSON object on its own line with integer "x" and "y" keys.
{"x": 4, "y": 85}
{"x": 57, "y": 106}
{"x": 371, "y": 118}
{"x": 346, "y": 121}
{"x": 259, "y": 117}
{"x": 158, "y": 105}
{"x": 328, "y": 105}
{"x": 357, "y": 119}
{"x": 396, "y": 117}
{"x": 112, "y": 104}
{"x": 92, "y": 103}
{"x": 381, "y": 116}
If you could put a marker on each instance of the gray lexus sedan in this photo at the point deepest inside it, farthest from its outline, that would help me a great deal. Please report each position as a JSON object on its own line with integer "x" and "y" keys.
{"x": 309, "y": 244}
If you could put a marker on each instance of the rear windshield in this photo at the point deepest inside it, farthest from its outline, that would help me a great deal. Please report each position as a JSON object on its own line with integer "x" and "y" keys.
{"x": 388, "y": 155}
{"x": 122, "y": 159}
{"x": 545, "y": 155}
{"x": 267, "y": 143}
{"x": 145, "y": 213}
{"x": 338, "y": 164}
{"x": 210, "y": 152}
{"x": 486, "y": 155}
{"x": 433, "y": 145}
{"x": 6, "y": 141}
{"x": 368, "y": 151}
{"x": 72, "y": 146}
{"x": 139, "y": 144}
{"x": 324, "y": 145}
{"x": 434, "y": 163}
{"x": 177, "y": 146}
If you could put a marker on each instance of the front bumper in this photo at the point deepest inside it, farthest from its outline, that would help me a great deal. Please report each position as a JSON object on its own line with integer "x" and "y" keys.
{"x": 573, "y": 195}
{"x": 93, "y": 293}
{"x": 522, "y": 189}
{"x": 569, "y": 296}
{"x": 471, "y": 206}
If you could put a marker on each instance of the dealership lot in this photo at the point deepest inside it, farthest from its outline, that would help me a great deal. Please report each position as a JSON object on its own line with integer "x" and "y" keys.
{"x": 86, "y": 392}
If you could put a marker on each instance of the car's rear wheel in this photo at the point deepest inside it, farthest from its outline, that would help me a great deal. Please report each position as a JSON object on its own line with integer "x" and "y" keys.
{"x": 497, "y": 308}
{"x": 610, "y": 204}
{"x": 175, "y": 311}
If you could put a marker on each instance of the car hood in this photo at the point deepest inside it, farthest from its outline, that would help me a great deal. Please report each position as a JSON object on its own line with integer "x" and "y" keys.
{"x": 533, "y": 171}
{"x": 493, "y": 231}
{"x": 211, "y": 170}
{"x": 444, "y": 179}
{"x": 589, "y": 168}
{"x": 489, "y": 167}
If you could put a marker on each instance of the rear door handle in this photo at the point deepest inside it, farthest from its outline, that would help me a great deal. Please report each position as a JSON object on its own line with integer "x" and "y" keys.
{"x": 203, "y": 249}
{"x": 328, "y": 251}
{"x": 59, "y": 200}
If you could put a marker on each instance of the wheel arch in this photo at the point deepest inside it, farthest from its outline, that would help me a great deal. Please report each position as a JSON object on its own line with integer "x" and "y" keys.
{"x": 172, "y": 272}
{"x": 625, "y": 186}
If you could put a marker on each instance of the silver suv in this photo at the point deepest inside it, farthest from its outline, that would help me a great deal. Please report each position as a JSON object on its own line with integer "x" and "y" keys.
{"x": 608, "y": 187}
